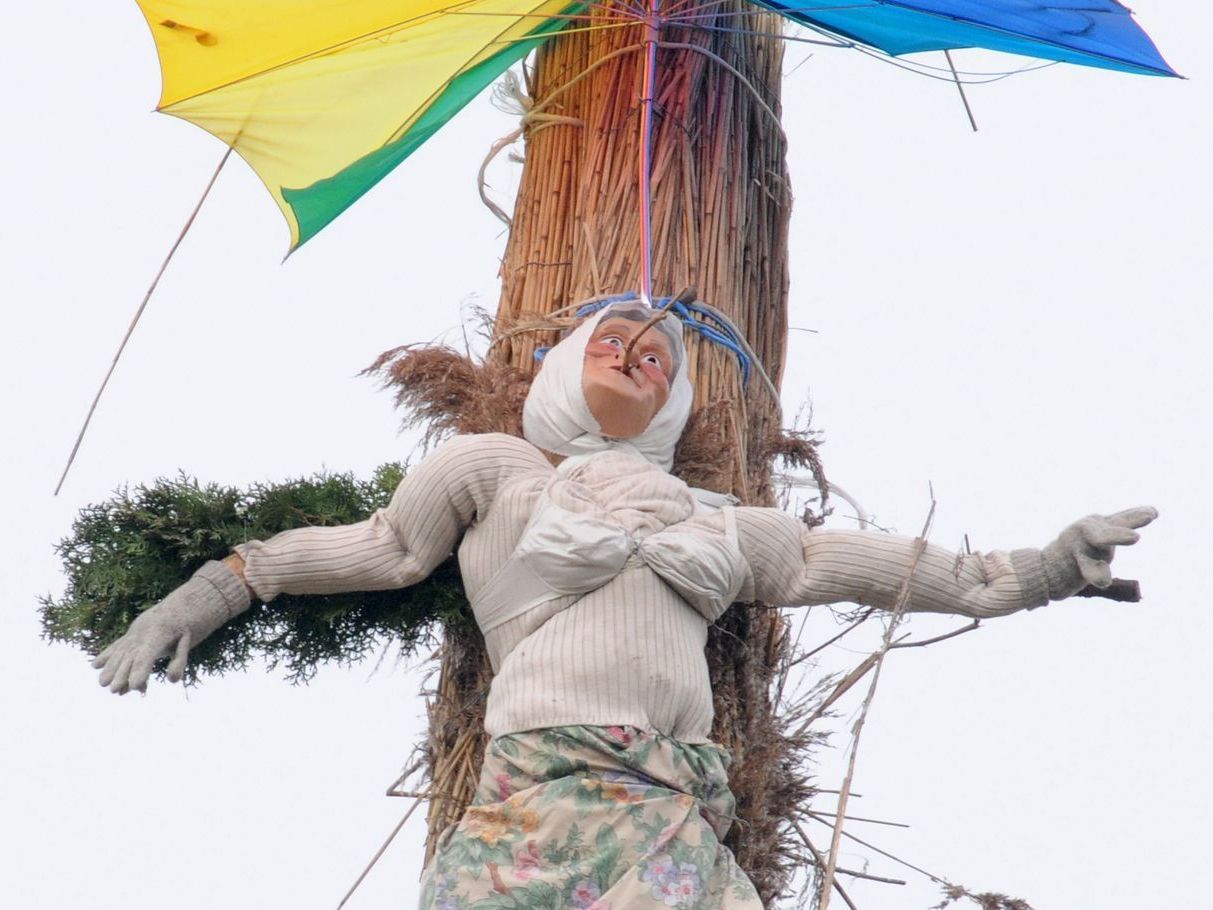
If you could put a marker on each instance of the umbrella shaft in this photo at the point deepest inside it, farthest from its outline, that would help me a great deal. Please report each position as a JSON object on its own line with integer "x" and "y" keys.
{"x": 652, "y": 26}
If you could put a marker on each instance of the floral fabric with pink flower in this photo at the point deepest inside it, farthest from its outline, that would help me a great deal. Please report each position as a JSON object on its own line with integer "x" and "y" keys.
{"x": 592, "y": 818}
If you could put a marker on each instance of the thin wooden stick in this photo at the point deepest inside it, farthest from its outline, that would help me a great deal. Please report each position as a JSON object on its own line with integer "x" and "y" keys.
{"x": 938, "y": 638}
{"x": 903, "y": 598}
{"x": 687, "y": 296}
{"x": 849, "y": 629}
{"x": 869, "y": 877}
{"x": 138, "y": 313}
{"x": 817, "y": 858}
{"x": 374, "y": 859}
{"x": 825, "y": 820}
{"x": 870, "y": 821}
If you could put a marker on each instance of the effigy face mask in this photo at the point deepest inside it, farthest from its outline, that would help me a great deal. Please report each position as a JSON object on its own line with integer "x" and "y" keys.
{"x": 582, "y": 383}
{"x": 625, "y": 376}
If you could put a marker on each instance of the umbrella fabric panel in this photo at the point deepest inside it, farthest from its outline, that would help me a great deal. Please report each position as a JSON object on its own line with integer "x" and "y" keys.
{"x": 313, "y": 207}
{"x": 205, "y": 44}
{"x": 1098, "y": 33}
{"x": 311, "y": 114}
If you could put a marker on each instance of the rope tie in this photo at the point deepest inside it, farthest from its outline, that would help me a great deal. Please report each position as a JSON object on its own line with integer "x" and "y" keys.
{"x": 509, "y": 96}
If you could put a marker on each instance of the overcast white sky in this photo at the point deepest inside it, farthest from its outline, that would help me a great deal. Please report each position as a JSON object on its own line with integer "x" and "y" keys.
{"x": 1018, "y": 317}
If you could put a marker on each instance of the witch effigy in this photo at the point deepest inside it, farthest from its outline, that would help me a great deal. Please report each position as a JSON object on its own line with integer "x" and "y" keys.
{"x": 593, "y": 574}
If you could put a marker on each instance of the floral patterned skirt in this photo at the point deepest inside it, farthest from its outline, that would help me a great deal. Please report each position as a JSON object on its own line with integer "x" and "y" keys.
{"x": 592, "y": 818}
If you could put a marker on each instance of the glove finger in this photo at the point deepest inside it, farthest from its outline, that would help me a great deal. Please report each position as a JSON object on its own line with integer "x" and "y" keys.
{"x": 109, "y": 666}
{"x": 1110, "y": 535}
{"x": 141, "y": 669}
{"x": 1134, "y": 518}
{"x": 1094, "y": 571}
{"x": 118, "y": 685}
{"x": 99, "y": 661}
{"x": 176, "y": 669}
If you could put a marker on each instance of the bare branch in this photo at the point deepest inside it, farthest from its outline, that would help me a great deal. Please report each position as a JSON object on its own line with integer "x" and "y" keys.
{"x": 687, "y": 296}
{"x": 938, "y": 638}
{"x": 820, "y": 863}
{"x": 825, "y": 820}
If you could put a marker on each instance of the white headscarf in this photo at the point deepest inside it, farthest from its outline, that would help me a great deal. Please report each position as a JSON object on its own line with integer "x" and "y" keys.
{"x": 557, "y": 419}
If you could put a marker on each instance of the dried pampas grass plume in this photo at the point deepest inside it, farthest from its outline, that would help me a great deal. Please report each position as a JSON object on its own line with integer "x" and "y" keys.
{"x": 446, "y": 392}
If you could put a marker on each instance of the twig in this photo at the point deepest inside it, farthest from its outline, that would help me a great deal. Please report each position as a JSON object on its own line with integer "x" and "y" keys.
{"x": 825, "y": 820}
{"x": 862, "y": 669}
{"x": 393, "y": 790}
{"x": 821, "y": 864}
{"x": 687, "y": 296}
{"x": 852, "y": 627}
{"x": 843, "y": 687}
{"x": 938, "y": 638}
{"x": 870, "y": 821}
{"x": 869, "y": 877}
{"x": 840, "y": 690}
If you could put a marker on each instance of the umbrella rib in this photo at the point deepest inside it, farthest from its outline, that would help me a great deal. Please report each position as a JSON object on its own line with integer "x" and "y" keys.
{"x": 618, "y": 52}
{"x": 1003, "y": 31}
{"x": 915, "y": 67}
{"x": 933, "y": 72}
{"x": 189, "y": 222}
{"x": 506, "y": 42}
{"x": 779, "y": 36}
{"x": 400, "y": 25}
{"x": 779, "y": 12}
{"x": 960, "y": 88}
{"x": 621, "y": 20}
{"x": 403, "y": 127}
{"x": 676, "y": 12}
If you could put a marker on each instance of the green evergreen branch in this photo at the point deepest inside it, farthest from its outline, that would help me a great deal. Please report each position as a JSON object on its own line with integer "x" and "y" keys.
{"x": 125, "y": 554}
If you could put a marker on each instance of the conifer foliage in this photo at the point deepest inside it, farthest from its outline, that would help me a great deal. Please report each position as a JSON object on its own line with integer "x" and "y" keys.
{"x": 126, "y": 553}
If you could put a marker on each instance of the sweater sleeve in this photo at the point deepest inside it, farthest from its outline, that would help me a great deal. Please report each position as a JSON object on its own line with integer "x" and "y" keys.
{"x": 794, "y": 565}
{"x": 402, "y": 543}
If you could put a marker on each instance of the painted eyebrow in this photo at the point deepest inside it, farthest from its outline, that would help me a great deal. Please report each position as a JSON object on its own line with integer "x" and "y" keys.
{"x": 610, "y": 326}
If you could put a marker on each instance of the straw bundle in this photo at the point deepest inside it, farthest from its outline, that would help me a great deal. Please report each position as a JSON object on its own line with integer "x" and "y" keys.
{"x": 720, "y": 209}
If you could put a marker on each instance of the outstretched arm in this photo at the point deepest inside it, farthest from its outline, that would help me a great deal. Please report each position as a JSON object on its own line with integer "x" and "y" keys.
{"x": 403, "y": 542}
{"x": 397, "y": 546}
{"x": 793, "y": 565}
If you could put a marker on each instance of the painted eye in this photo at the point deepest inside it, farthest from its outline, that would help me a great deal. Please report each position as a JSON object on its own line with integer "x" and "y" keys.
{"x": 613, "y": 340}
{"x": 652, "y": 360}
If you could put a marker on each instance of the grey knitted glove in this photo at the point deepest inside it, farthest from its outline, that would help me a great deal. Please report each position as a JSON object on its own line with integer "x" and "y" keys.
{"x": 1080, "y": 555}
{"x": 189, "y": 614}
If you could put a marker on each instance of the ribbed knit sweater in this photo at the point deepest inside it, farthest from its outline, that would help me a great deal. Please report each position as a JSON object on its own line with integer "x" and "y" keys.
{"x": 630, "y": 652}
